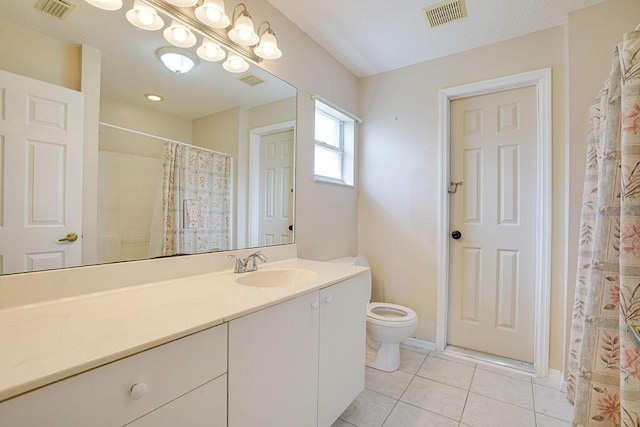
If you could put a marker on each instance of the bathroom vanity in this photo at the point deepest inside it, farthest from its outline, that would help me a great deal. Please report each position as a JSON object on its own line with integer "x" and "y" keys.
{"x": 181, "y": 352}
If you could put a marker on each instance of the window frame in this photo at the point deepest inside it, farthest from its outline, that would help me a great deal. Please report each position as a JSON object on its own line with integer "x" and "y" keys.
{"x": 346, "y": 149}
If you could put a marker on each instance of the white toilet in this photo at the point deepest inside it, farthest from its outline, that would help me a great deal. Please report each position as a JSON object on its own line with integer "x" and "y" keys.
{"x": 387, "y": 326}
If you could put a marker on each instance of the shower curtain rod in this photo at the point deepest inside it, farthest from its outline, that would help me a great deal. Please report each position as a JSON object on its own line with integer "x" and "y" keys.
{"x": 162, "y": 138}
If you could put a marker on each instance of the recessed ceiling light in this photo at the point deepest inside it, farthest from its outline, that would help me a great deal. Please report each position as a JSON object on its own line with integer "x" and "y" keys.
{"x": 177, "y": 60}
{"x": 153, "y": 97}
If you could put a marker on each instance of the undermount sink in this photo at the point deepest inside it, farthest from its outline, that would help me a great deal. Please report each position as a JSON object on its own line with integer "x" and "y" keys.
{"x": 275, "y": 278}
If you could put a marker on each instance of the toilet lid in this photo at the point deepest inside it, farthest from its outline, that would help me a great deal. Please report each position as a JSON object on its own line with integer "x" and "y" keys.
{"x": 390, "y": 312}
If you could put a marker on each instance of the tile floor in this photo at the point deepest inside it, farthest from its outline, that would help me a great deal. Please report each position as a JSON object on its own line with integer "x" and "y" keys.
{"x": 435, "y": 390}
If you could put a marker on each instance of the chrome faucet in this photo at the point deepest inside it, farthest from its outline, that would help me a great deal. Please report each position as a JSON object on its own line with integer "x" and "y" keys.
{"x": 242, "y": 265}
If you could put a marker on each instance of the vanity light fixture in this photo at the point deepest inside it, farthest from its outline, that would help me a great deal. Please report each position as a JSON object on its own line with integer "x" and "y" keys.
{"x": 179, "y": 35}
{"x": 206, "y": 19}
{"x": 210, "y": 51}
{"x": 182, "y": 3}
{"x": 268, "y": 46}
{"x": 177, "y": 60}
{"x": 153, "y": 97}
{"x": 144, "y": 16}
{"x": 106, "y": 4}
{"x": 211, "y": 13}
{"x": 235, "y": 64}
{"x": 243, "y": 32}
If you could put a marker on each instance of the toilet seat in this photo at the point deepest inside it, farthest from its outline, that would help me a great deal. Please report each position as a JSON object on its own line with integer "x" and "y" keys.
{"x": 391, "y": 313}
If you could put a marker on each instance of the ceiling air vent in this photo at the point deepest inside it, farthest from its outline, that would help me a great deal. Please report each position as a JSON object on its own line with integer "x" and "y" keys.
{"x": 251, "y": 79}
{"x": 444, "y": 11}
{"x": 57, "y": 8}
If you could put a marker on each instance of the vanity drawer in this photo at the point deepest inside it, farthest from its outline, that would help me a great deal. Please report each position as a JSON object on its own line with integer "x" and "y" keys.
{"x": 104, "y": 397}
{"x": 205, "y": 406}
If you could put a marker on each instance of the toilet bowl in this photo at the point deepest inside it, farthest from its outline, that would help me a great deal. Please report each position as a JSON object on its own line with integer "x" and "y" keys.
{"x": 387, "y": 326}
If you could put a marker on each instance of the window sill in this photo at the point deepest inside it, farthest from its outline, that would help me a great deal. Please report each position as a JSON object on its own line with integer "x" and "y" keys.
{"x": 325, "y": 180}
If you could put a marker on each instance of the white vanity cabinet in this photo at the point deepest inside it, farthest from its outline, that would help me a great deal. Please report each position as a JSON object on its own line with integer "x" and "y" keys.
{"x": 299, "y": 363}
{"x": 183, "y": 380}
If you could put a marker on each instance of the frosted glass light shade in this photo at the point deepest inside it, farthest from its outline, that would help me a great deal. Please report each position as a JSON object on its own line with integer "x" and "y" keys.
{"x": 182, "y": 3}
{"x": 235, "y": 64}
{"x": 243, "y": 32}
{"x": 144, "y": 16}
{"x": 176, "y": 60}
{"x": 211, "y": 13}
{"x": 210, "y": 51}
{"x": 179, "y": 35}
{"x": 106, "y": 4}
{"x": 268, "y": 47}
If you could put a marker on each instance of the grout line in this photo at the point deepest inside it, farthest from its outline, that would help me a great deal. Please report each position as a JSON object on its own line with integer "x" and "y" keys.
{"x": 390, "y": 412}
{"x": 468, "y": 393}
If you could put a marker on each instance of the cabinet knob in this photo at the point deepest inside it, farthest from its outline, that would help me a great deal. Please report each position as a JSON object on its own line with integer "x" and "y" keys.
{"x": 315, "y": 305}
{"x": 138, "y": 390}
{"x": 328, "y": 299}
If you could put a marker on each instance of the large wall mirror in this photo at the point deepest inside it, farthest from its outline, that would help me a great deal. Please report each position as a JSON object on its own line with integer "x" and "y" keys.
{"x": 93, "y": 172}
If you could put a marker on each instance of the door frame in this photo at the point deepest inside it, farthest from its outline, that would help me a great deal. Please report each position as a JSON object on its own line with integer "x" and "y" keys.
{"x": 541, "y": 80}
{"x": 255, "y": 138}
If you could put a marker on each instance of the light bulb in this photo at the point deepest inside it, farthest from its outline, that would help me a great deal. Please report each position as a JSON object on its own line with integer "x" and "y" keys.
{"x": 210, "y": 50}
{"x": 180, "y": 34}
{"x": 245, "y": 35}
{"x": 213, "y": 14}
{"x": 145, "y": 16}
{"x": 236, "y": 63}
{"x": 268, "y": 50}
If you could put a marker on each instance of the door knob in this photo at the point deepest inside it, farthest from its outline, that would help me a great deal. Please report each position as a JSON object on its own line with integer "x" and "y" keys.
{"x": 456, "y": 235}
{"x": 71, "y": 237}
{"x": 291, "y": 227}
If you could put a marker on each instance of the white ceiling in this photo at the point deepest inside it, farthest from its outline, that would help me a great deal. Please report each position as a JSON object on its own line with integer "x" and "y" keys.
{"x": 374, "y": 36}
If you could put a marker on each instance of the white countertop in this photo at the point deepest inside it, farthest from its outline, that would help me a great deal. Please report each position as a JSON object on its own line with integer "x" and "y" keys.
{"x": 49, "y": 341}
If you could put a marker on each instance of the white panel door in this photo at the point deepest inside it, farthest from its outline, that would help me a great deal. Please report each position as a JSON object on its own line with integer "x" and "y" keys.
{"x": 491, "y": 270}
{"x": 41, "y": 127}
{"x": 276, "y": 188}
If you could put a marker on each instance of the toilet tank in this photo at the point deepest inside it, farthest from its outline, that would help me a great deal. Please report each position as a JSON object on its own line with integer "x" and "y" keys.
{"x": 359, "y": 261}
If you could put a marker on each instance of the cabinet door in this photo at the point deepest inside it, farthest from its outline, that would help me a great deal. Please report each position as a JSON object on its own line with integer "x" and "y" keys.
{"x": 343, "y": 313}
{"x": 273, "y": 366}
{"x": 205, "y": 406}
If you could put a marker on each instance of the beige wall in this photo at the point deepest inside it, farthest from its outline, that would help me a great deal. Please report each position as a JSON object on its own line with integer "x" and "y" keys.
{"x": 31, "y": 54}
{"x": 592, "y": 34}
{"x": 400, "y": 167}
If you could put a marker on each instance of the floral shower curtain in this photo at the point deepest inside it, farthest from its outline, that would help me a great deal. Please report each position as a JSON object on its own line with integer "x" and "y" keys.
{"x": 604, "y": 365}
{"x": 196, "y": 200}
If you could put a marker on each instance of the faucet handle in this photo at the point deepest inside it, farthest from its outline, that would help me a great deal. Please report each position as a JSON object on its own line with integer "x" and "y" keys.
{"x": 254, "y": 263}
{"x": 240, "y": 264}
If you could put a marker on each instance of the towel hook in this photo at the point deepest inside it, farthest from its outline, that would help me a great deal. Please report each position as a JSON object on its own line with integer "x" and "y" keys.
{"x": 453, "y": 187}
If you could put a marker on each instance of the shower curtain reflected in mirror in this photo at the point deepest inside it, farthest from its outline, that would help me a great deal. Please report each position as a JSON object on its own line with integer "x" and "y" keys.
{"x": 196, "y": 200}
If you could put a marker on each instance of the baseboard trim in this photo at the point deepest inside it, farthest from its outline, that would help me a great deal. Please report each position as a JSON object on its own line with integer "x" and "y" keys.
{"x": 420, "y": 344}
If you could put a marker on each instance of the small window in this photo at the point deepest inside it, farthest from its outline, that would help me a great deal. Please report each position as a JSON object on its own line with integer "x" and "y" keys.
{"x": 334, "y": 145}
